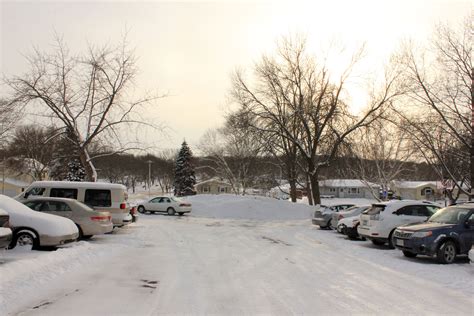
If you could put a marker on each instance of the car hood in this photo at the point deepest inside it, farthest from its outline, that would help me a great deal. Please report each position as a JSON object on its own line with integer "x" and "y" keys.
{"x": 21, "y": 215}
{"x": 425, "y": 226}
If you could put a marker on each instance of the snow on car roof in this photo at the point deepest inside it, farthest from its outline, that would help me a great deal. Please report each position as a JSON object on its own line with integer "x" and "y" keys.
{"x": 73, "y": 184}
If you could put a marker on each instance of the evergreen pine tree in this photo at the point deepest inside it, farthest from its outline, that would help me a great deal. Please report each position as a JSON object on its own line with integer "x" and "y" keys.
{"x": 184, "y": 178}
{"x": 76, "y": 171}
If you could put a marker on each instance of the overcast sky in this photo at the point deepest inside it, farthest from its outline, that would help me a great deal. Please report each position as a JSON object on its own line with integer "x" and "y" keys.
{"x": 189, "y": 48}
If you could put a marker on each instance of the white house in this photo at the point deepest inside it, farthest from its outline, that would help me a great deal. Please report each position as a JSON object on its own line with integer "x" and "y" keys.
{"x": 348, "y": 188}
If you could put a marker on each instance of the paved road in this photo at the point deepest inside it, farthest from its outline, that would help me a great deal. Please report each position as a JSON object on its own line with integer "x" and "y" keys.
{"x": 190, "y": 265}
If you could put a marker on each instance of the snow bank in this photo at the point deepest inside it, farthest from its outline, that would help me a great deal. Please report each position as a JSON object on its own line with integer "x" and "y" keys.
{"x": 247, "y": 207}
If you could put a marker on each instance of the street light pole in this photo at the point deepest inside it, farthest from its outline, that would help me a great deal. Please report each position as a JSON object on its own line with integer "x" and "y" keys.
{"x": 149, "y": 162}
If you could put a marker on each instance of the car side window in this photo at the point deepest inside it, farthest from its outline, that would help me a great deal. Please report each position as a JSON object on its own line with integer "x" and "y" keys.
{"x": 155, "y": 200}
{"x": 424, "y": 211}
{"x": 407, "y": 210}
{"x": 432, "y": 209}
{"x": 166, "y": 200}
{"x": 98, "y": 197}
{"x": 55, "y": 206}
{"x": 35, "y": 206}
{"x": 36, "y": 191}
{"x": 65, "y": 193}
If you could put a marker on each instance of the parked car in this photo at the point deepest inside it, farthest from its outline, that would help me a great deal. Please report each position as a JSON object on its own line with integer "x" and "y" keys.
{"x": 165, "y": 204}
{"x": 447, "y": 233}
{"x": 108, "y": 197}
{"x": 348, "y": 226}
{"x": 471, "y": 254}
{"x": 35, "y": 229}
{"x": 323, "y": 214}
{"x": 380, "y": 221}
{"x": 5, "y": 231}
{"x": 349, "y": 212}
{"x": 88, "y": 221}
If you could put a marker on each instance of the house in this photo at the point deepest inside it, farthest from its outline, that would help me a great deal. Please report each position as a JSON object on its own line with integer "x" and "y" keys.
{"x": 348, "y": 188}
{"x": 16, "y": 175}
{"x": 213, "y": 186}
{"x": 12, "y": 187}
{"x": 416, "y": 190}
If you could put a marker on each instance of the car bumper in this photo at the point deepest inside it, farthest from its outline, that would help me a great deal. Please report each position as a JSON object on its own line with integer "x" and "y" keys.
{"x": 97, "y": 228}
{"x": 370, "y": 233}
{"x": 47, "y": 240}
{"x": 421, "y": 246}
{"x": 120, "y": 219}
{"x": 321, "y": 221}
{"x": 471, "y": 255}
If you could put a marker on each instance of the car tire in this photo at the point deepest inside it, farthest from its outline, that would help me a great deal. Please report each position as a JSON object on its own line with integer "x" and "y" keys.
{"x": 181, "y": 213}
{"x": 391, "y": 240}
{"x": 26, "y": 239}
{"x": 446, "y": 252}
{"x": 378, "y": 242}
{"x": 170, "y": 211}
{"x": 409, "y": 254}
{"x": 86, "y": 237}
{"x": 141, "y": 209}
{"x": 81, "y": 235}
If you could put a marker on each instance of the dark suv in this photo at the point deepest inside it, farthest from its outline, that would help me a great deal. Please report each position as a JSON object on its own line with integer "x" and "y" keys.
{"x": 449, "y": 232}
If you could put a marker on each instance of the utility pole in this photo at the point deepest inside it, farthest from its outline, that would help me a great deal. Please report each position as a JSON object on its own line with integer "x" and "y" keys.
{"x": 149, "y": 162}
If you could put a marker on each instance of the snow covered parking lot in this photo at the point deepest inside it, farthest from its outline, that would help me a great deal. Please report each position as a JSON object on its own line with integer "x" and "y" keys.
{"x": 230, "y": 256}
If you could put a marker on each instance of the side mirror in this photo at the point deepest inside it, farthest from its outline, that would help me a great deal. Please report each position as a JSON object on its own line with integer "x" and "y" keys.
{"x": 469, "y": 223}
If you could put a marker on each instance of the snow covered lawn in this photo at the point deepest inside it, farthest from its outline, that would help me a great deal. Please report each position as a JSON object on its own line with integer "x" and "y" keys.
{"x": 230, "y": 256}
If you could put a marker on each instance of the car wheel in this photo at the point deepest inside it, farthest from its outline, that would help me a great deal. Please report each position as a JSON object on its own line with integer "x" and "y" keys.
{"x": 141, "y": 209}
{"x": 81, "y": 235}
{"x": 447, "y": 252}
{"x": 378, "y": 242}
{"x": 87, "y": 237}
{"x": 181, "y": 213}
{"x": 25, "y": 239}
{"x": 409, "y": 254}
{"x": 170, "y": 211}
{"x": 391, "y": 240}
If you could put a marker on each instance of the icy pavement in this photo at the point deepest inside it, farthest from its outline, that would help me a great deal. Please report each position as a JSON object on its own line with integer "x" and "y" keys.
{"x": 226, "y": 266}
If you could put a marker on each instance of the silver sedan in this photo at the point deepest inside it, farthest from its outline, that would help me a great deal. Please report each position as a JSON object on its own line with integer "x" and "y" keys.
{"x": 88, "y": 221}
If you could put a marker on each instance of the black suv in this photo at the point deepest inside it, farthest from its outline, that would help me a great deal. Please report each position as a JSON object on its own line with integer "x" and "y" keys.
{"x": 449, "y": 232}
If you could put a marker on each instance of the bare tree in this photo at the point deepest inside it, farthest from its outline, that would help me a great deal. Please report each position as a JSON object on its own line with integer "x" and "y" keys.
{"x": 441, "y": 81}
{"x": 87, "y": 95}
{"x": 298, "y": 99}
{"x": 380, "y": 153}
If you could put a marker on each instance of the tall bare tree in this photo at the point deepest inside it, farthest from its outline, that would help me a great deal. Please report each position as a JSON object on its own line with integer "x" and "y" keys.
{"x": 297, "y": 98}
{"x": 88, "y": 95}
{"x": 441, "y": 81}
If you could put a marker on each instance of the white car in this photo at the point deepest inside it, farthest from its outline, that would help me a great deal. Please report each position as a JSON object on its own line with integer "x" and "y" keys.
{"x": 165, "y": 204}
{"x": 348, "y": 212}
{"x": 34, "y": 229}
{"x": 379, "y": 222}
{"x": 471, "y": 254}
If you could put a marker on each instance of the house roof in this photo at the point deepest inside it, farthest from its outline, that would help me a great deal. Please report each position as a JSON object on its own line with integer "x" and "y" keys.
{"x": 16, "y": 182}
{"x": 213, "y": 180}
{"x": 346, "y": 183}
{"x": 413, "y": 184}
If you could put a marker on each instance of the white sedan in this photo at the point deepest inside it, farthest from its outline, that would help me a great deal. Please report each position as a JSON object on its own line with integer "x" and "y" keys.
{"x": 165, "y": 204}
{"x": 33, "y": 229}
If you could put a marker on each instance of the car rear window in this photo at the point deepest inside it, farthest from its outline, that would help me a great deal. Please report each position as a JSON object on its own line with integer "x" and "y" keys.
{"x": 97, "y": 198}
{"x": 374, "y": 209}
{"x": 64, "y": 193}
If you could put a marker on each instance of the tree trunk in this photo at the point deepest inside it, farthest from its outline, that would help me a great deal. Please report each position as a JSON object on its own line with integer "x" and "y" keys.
{"x": 91, "y": 173}
{"x": 292, "y": 183}
{"x": 309, "y": 192}
{"x": 315, "y": 187}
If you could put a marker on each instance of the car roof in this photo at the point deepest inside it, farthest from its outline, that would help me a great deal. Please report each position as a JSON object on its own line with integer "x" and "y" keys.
{"x": 397, "y": 203}
{"x": 45, "y": 198}
{"x": 74, "y": 184}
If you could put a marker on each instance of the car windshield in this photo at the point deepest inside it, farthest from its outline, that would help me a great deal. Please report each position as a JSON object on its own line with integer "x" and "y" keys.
{"x": 449, "y": 215}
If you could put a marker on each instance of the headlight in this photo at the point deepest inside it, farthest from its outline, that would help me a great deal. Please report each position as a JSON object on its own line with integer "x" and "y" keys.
{"x": 422, "y": 234}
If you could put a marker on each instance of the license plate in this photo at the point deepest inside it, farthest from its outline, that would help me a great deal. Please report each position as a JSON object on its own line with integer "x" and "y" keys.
{"x": 399, "y": 242}
{"x": 364, "y": 223}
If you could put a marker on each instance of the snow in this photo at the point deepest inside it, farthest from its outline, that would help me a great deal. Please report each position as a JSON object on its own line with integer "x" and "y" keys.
{"x": 413, "y": 184}
{"x": 346, "y": 183}
{"x": 73, "y": 184}
{"x": 4, "y": 231}
{"x": 232, "y": 255}
{"x": 21, "y": 215}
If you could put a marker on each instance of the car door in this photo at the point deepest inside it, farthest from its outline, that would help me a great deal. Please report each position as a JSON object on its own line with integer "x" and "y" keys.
{"x": 153, "y": 205}
{"x": 466, "y": 233}
{"x": 166, "y": 203}
{"x": 410, "y": 214}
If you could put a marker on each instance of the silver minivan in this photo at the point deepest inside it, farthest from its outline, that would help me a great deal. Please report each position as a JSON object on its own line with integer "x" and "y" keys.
{"x": 108, "y": 197}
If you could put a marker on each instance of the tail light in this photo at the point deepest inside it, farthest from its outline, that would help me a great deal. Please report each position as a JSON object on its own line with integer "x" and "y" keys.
{"x": 101, "y": 218}
{"x": 123, "y": 206}
{"x": 184, "y": 204}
